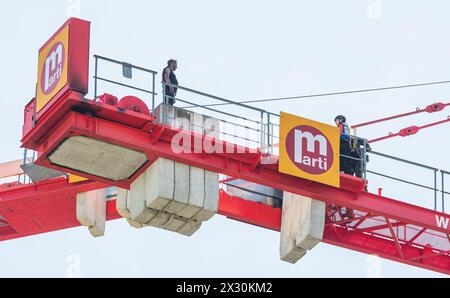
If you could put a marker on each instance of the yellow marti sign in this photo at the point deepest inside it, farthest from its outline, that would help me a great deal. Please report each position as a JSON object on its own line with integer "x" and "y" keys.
{"x": 309, "y": 149}
{"x": 52, "y": 68}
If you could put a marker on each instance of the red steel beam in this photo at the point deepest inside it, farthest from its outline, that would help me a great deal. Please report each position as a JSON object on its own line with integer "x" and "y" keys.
{"x": 382, "y": 227}
{"x": 44, "y": 207}
{"x": 247, "y": 211}
{"x": 242, "y": 166}
{"x": 386, "y": 249}
{"x": 50, "y": 206}
{"x": 394, "y": 236}
{"x": 157, "y": 142}
{"x": 345, "y": 221}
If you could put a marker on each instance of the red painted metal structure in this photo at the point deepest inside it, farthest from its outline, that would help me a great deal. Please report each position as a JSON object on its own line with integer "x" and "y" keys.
{"x": 66, "y": 104}
{"x": 433, "y": 108}
{"x": 409, "y": 131}
{"x": 392, "y": 229}
{"x": 49, "y": 206}
{"x": 31, "y": 209}
{"x": 412, "y": 130}
{"x": 383, "y": 226}
{"x": 369, "y": 232}
{"x": 76, "y": 65}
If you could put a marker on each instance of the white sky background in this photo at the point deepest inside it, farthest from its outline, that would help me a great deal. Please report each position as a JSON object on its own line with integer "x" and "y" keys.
{"x": 240, "y": 50}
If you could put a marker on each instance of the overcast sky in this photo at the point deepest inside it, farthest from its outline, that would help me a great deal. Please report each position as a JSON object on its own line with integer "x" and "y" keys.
{"x": 241, "y": 50}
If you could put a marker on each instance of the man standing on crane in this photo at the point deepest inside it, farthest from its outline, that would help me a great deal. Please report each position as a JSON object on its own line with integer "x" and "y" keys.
{"x": 345, "y": 161}
{"x": 344, "y": 129}
{"x": 169, "y": 77}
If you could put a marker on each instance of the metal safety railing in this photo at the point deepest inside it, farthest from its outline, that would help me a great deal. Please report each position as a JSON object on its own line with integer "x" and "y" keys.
{"x": 259, "y": 128}
{"x": 33, "y": 173}
{"x": 13, "y": 173}
{"x": 128, "y": 73}
{"x": 246, "y": 125}
{"x": 23, "y": 178}
{"x": 436, "y": 188}
{"x": 444, "y": 174}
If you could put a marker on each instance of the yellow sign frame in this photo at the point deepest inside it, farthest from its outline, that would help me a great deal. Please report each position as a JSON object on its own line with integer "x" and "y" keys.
{"x": 288, "y": 122}
{"x": 61, "y": 37}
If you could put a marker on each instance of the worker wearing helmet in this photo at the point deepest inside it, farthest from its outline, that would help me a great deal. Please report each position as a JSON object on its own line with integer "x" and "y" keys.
{"x": 347, "y": 166}
{"x": 341, "y": 122}
{"x": 344, "y": 129}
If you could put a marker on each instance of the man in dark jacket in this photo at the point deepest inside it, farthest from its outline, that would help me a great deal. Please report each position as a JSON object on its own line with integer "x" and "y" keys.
{"x": 169, "y": 77}
{"x": 344, "y": 129}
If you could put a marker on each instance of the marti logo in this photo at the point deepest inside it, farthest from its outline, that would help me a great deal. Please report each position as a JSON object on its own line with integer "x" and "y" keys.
{"x": 53, "y": 68}
{"x": 310, "y": 150}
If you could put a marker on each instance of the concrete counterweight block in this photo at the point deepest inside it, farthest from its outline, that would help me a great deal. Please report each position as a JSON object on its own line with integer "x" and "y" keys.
{"x": 86, "y": 205}
{"x": 211, "y": 200}
{"x": 166, "y": 114}
{"x": 160, "y": 184}
{"x": 302, "y": 226}
{"x": 175, "y": 223}
{"x": 134, "y": 224}
{"x": 190, "y": 228}
{"x": 181, "y": 191}
{"x": 139, "y": 212}
{"x": 196, "y": 193}
{"x": 91, "y": 211}
{"x": 160, "y": 220}
{"x": 203, "y": 195}
{"x": 171, "y": 196}
{"x": 121, "y": 203}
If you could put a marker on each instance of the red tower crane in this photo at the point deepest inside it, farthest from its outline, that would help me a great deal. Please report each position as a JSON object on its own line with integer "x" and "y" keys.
{"x": 140, "y": 134}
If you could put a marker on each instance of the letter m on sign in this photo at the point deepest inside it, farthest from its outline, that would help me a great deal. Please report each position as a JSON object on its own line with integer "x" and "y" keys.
{"x": 311, "y": 141}
{"x": 300, "y": 137}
